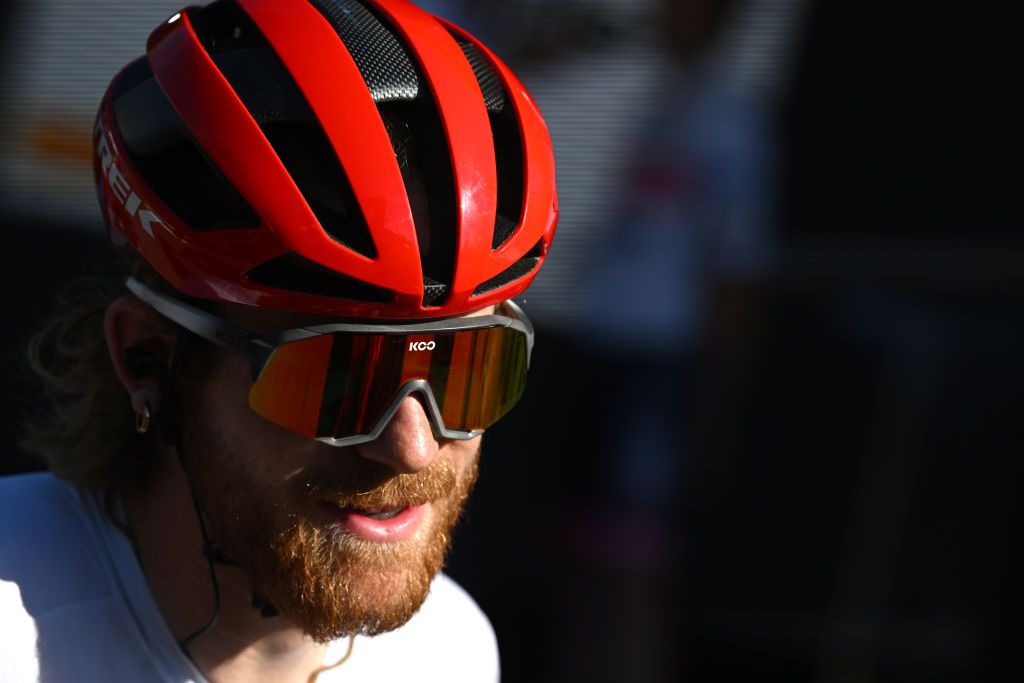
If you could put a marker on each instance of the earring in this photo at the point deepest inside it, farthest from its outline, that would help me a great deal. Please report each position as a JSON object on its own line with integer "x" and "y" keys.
{"x": 143, "y": 419}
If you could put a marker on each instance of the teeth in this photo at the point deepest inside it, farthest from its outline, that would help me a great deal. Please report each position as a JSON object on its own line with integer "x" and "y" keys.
{"x": 384, "y": 514}
{"x": 375, "y": 513}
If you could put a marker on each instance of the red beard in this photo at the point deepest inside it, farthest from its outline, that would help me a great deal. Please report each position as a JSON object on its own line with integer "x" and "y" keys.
{"x": 326, "y": 581}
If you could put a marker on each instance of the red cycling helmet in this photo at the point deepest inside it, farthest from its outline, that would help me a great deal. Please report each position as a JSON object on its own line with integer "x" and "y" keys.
{"x": 362, "y": 159}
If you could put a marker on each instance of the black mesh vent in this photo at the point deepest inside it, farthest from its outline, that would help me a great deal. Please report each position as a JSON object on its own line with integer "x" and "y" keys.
{"x": 384, "y": 64}
{"x": 503, "y": 229}
{"x": 508, "y": 143}
{"x": 293, "y": 273}
{"x": 486, "y": 76}
{"x": 523, "y": 266}
{"x": 161, "y": 149}
{"x": 434, "y": 292}
{"x": 270, "y": 94}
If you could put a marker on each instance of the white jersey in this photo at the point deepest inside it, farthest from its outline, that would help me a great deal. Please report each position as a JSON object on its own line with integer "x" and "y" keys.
{"x": 75, "y": 606}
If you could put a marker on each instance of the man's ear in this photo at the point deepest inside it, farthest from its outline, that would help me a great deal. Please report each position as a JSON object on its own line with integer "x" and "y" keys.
{"x": 141, "y": 344}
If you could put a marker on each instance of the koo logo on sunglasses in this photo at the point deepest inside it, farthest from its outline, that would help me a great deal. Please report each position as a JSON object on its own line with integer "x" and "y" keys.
{"x": 422, "y": 346}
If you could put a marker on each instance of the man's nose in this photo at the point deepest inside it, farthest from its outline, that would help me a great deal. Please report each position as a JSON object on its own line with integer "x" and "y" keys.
{"x": 407, "y": 443}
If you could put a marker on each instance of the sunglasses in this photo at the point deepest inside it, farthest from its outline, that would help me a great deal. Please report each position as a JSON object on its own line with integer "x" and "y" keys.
{"x": 342, "y": 383}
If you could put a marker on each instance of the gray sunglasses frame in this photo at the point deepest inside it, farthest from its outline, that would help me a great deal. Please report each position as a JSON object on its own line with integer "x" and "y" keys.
{"x": 257, "y": 349}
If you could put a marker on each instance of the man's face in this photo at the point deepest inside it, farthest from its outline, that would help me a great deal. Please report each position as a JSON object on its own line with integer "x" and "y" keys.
{"x": 339, "y": 540}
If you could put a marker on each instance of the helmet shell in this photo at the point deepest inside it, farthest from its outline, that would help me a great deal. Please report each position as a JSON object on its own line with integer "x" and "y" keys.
{"x": 186, "y": 134}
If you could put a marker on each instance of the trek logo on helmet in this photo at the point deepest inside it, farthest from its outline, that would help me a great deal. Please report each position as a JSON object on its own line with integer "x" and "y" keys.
{"x": 119, "y": 184}
{"x": 422, "y": 346}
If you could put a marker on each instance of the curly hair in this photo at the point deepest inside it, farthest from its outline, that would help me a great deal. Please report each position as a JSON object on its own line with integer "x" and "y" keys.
{"x": 83, "y": 431}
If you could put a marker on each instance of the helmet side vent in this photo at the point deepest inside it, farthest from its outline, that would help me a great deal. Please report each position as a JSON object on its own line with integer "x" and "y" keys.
{"x": 271, "y": 96}
{"x": 293, "y": 273}
{"x": 520, "y": 268}
{"x": 508, "y": 143}
{"x": 385, "y": 65}
{"x": 170, "y": 161}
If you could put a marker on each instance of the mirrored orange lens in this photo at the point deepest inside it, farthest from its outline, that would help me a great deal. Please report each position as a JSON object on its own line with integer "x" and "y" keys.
{"x": 339, "y": 385}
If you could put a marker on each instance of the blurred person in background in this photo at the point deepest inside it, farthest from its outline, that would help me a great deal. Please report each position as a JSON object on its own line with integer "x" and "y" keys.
{"x": 265, "y": 415}
{"x": 694, "y": 218}
{"x": 691, "y": 227}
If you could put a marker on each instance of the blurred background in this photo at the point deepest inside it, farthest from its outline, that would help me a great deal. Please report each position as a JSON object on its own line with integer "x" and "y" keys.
{"x": 773, "y": 424}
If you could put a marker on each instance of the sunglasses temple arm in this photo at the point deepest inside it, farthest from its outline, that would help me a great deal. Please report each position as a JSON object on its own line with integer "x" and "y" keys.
{"x": 209, "y": 327}
{"x": 527, "y": 325}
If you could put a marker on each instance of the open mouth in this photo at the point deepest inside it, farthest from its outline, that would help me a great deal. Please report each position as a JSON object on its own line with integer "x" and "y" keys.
{"x": 391, "y": 523}
{"x": 380, "y": 514}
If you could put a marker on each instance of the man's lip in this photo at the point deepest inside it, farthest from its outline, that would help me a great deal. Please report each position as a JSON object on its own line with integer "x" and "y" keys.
{"x": 399, "y": 528}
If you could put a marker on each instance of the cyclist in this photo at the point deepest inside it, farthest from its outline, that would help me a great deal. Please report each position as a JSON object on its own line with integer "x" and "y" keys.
{"x": 264, "y": 423}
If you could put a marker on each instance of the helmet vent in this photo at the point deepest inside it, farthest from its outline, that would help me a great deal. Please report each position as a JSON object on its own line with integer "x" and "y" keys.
{"x": 161, "y": 149}
{"x": 421, "y": 150}
{"x": 385, "y": 65}
{"x": 503, "y": 229}
{"x": 434, "y": 292}
{"x": 269, "y": 93}
{"x": 520, "y": 268}
{"x": 293, "y": 273}
{"x": 508, "y": 150}
{"x": 486, "y": 76}
{"x": 508, "y": 142}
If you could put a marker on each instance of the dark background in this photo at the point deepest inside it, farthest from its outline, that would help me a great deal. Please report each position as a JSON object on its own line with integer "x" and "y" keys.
{"x": 818, "y": 481}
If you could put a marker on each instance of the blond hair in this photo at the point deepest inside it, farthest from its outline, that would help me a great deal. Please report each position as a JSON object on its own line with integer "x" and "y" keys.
{"x": 84, "y": 430}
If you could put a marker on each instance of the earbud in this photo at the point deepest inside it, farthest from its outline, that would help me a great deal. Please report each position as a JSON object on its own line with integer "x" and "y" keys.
{"x": 141, "y": 363}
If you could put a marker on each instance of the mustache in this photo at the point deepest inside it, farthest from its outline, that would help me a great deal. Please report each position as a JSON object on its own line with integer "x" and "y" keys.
{"x": 378, "y": 487}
